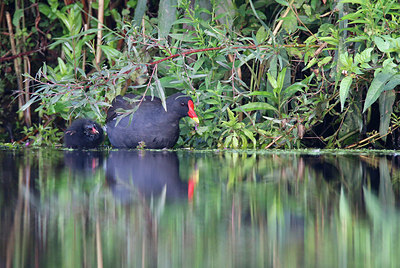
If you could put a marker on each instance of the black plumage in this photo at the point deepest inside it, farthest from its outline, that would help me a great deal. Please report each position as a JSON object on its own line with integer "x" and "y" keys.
{"x": 150, "y": 125}
{"x": 83, "y": 134}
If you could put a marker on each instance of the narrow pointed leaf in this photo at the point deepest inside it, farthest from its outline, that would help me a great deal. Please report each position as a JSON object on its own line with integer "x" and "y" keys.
{"x": 376, "y": 88}
{"x": 166, "y": 16}
{"x": 139, "y": 11}
{"x": 160, "y": 92}
{"x": 344, "y": 90}
{"x": 386, "y": 101}
{"x": 255, "y": 106}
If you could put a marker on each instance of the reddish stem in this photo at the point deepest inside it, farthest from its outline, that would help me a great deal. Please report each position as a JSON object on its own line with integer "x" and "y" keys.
{"x": 196, "y": 51}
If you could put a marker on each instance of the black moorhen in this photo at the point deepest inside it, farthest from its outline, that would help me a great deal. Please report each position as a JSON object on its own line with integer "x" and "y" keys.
{"x": 150, "y": 123}
{"x": 83, "y": 134}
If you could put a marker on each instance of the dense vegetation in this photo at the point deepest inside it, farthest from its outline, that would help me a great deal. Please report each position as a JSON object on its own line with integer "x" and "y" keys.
{"x": 263, "y": 74}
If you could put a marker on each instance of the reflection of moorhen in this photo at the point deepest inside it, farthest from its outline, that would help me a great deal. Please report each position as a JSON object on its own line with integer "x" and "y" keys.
{"x": 150, "y": 123}
{"x": 144, "y": 172}
{"x": 83, "y": 133}
{"x": 83, "y": 162}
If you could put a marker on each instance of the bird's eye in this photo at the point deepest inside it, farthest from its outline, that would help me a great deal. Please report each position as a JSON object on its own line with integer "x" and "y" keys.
{"x": 182, "y": 103}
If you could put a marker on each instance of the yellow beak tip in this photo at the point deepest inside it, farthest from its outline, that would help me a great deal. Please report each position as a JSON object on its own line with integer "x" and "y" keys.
{"x": 196, "y": 119}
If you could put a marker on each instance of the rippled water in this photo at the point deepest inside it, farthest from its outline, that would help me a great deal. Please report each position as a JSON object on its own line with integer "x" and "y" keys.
{"x": 198, "y": 209}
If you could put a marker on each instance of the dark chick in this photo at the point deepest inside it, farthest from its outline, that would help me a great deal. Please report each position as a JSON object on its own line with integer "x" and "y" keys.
{"x": 83, "y": 134}
{"x": 150, "y": 124}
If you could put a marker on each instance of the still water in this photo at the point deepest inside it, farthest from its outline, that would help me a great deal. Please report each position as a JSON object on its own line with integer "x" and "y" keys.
{"x": 198, "y": 209}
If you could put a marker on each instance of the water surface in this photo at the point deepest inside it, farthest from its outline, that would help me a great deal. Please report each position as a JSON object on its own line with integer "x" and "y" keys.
{"x": 198, "y": 209}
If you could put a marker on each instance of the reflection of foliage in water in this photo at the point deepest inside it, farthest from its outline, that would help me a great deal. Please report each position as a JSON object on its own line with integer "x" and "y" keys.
{"x": 249, "y": 210}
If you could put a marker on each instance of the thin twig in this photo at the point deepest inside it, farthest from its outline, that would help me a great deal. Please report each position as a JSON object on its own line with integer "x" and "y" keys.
{"x": 375, "y": 136}
{"x": 276, "y": 30}
{"x": 22, "y": 54}
{"x": 17, "y": 61}
{"x": 197, "y": 51}
{"x": 99, "y": 32}
{"x": 279, "y": 137}
{"x": 27, "y": 70}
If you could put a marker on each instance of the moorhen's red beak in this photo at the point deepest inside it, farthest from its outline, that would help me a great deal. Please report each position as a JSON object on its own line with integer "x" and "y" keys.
{"x": 191, "y": 112}
{"x": 94, "y": 130}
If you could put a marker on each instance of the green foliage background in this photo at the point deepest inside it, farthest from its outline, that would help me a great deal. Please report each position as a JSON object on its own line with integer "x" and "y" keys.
{"x": 263, "y": 74}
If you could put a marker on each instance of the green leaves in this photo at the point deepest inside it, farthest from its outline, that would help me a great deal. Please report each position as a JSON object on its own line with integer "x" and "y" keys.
{"x": 166, "y": 16}
{"x": 111, "y": 52}
{"x": 236, "y": 134}
{"x": 352, "y": 67}
{"x": 344, "y": 90}
{"x": 384, "y": 80}
{"x": 254, "y": 106}
{"x": 386, "y": 101}
{"x": 387, "y": 44}
{"x": 363, "y": 58}
{"x": 353, "y": 1}
{"x": 261, "y": 35}
{"x": 140, "y": 10}
{"x": 246, "y": 82}
{"x": 160, "y": 91}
